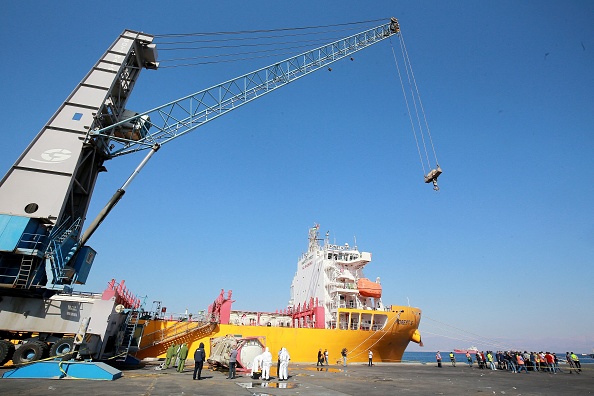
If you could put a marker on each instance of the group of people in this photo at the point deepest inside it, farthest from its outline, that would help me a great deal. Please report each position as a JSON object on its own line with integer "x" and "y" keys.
{"x": 264, "y": 361}
{"x": 516, "y": 361}
{"x": 322, "y": 357}
{"x": 176, "y": 355}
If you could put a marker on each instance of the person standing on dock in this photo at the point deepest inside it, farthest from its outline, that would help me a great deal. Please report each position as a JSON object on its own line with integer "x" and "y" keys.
{"x": 550, "y": 362}
{"x": 521, "y": 363}
{"x": 453, "y": 359}
{"x": 326, "y": 356}
{"x": 320, "y": 358}
{"x": 199, "y": 358}
{"x": 570, "y": 363}
{"x": 283, "y": 375}
{"x": 169, "y": 355}
{"x": 490, "y": 360}
{"x": 175, "y": 358}
{"x": 266, "y": 363}
{"x": 183, "y": 355}
{"x": 576, "y": 361}
{"x": 469, "y": 359}
{"x": 233, "y": 362}
{"x": 438, "y": 358}
{"x": 344, "y": 356}
{"x": 370, "y": 358}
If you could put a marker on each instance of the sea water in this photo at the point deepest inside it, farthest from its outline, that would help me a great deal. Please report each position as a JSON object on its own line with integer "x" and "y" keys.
{"x": 429, "y": 357}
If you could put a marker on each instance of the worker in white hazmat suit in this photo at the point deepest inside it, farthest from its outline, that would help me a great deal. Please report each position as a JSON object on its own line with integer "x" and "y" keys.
{"x": 256, "y": 365}
{"x": 283, "y": 375}
{"x": 266, "y": 363}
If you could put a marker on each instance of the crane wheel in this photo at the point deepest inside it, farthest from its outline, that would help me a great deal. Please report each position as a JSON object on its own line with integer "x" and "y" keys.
{"x": 6, "y": 351}
{"x": 43, "y": 345}
{"x": 29, "y": 352}
{"x": 63, "y": 348}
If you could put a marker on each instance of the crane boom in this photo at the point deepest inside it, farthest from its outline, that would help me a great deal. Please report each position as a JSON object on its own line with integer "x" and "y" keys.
{"x": 45, "y": 196}
{"x": 183, "y": 115}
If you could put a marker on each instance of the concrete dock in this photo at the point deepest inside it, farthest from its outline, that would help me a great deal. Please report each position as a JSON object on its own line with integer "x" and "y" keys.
{"x": 306, "y": 379}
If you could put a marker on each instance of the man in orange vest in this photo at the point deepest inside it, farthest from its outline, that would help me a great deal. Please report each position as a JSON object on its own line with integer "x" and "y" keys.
{"x": 521, "y": 365}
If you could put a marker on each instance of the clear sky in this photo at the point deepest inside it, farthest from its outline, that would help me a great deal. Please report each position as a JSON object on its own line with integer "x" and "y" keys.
{"x": 501, "y": 255}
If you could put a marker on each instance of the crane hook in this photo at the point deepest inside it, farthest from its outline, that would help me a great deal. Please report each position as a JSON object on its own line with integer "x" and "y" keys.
{"x": 432, "y": 176}
{"x": 435, "y": 187}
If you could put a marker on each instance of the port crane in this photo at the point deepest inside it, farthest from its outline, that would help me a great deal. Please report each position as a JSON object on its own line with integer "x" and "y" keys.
{"x": 45, "y": 196}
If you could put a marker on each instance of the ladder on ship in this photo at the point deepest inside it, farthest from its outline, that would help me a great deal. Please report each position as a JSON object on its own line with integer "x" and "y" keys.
{"x": 129, "y": 342}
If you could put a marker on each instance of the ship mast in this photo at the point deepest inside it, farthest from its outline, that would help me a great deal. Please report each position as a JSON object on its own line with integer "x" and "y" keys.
{"x": 313, "y": 238}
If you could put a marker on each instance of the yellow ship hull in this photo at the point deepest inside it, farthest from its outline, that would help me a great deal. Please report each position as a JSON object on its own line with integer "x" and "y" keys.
{"x": 388, "y": 344}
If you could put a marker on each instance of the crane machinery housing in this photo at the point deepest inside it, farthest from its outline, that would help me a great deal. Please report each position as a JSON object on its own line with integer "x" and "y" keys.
{"x": 45, "y": 196}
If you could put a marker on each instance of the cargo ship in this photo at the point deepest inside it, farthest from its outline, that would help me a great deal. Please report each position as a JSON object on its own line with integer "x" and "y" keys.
{"x": 332, "y": 307}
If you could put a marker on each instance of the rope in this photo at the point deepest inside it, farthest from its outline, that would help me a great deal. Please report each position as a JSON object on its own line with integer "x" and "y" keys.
{"x": 463, "y": 335}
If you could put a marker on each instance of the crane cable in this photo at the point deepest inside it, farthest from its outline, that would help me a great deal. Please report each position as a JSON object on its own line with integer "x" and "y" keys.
{"x": 203, "y": 48}
{"x": 415, "y": 97}
{"x": 263, "y": 30}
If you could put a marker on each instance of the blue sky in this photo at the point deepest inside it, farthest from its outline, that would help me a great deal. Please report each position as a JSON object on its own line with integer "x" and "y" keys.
{"x": 502, "y": 253}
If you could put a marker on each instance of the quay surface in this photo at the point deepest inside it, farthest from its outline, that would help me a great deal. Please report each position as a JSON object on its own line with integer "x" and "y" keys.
{"x": 305, "y": 380}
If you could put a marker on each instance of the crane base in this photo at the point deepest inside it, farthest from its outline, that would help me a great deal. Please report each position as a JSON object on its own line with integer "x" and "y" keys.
{"x": 55, "y": 369}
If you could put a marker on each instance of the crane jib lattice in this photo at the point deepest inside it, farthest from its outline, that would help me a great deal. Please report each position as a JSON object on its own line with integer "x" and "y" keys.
{"x": 183, "y": 115}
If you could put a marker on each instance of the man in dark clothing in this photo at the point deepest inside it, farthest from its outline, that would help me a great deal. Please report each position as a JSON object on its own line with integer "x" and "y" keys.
{"x": 320, "y": 358}
{"x": 199, "y": 358}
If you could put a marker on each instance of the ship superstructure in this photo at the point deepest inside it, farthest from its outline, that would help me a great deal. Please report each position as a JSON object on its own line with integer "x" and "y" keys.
{"x": 332, "y": 275}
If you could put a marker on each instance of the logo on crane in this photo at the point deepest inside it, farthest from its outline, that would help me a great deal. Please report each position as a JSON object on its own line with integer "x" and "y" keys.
{"x": 54, "y": 156}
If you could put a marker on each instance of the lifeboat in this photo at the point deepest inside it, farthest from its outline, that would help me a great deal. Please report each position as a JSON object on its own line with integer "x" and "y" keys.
{"x": 368, "y": 288}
